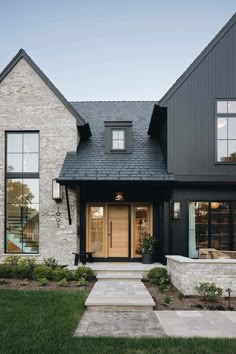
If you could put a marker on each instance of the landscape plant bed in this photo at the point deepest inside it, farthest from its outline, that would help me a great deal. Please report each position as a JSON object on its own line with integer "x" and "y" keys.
{"x": 172, "y": 299}
{"x": 26, "y": 284}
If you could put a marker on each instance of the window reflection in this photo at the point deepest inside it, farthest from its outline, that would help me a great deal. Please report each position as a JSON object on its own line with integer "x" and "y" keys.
{"x": 210, "y": 226}
{"x": 22, "y": 152}
{"x": 226, "y": 131}
{"x": 96, "y": 230}
{"x": 22, "y": 215}
{"x": 220, "y": 225}
{"x": 142, "y": 228}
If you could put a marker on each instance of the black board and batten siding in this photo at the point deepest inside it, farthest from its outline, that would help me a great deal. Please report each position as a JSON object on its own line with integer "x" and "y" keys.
{"x": 191, "y": 112}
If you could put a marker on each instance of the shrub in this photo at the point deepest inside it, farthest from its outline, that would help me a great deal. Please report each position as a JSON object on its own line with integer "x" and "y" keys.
{"x": 63, "y": 282}
{"x": 12, "y": 260}
{"x": 162, "y": 287}
{"x": 167, "y": 300}
{"x": 8, "y": 271}
{"x": 60, "y": 273}
{"x": 82, "y": 282}
{"x": 209, "y": 291}
{"x": 3, "y": 282}
{"x": 43, "y": 271}
{"x": 42, "y": 281}
{"x": 51, "y": 262}
{"x": 158, "y": 276}
{"x": 25, "y": 268}
{"x": 83, "y": 272}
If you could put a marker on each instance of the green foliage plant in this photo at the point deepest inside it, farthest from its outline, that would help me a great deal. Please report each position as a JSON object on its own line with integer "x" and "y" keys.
{"x": 209, "y": 291}
{"x": 63, "y": 282}
{"x": 83, "y": 272}
{"x": 159, "y": 276}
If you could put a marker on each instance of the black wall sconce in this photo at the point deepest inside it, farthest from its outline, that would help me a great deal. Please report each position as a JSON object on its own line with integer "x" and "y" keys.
{"x": 56, "y": 191}
{"x": 176, "y": 210}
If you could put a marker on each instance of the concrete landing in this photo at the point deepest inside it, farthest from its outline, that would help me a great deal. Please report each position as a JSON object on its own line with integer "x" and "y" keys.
{"x": 115, "y": 295}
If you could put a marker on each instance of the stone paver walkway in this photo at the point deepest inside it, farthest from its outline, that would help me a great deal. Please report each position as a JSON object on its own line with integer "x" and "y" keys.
{"x": 215, "y": 324}
{"x": 119, "y": 324}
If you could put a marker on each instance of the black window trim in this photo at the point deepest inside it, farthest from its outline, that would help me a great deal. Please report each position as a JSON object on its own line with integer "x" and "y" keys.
{"x": 17, "y": 175}
{"x": 223, "y": 115}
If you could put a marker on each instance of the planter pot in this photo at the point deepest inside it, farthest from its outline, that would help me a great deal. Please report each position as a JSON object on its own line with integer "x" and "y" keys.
{"x": 147, "y": 259}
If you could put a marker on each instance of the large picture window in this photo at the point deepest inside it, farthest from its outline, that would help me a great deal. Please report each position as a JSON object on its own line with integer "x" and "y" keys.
{"x": 22, "y": 192}
{"x": 226, "y": 130}
{"x": 212, "y": 225}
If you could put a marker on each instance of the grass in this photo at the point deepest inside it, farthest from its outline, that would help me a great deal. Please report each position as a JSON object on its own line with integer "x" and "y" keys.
{"x": 44, "y": 322}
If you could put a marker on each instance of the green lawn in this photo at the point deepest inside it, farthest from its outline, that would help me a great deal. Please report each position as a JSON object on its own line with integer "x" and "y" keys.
{"x": 44, "y": 322}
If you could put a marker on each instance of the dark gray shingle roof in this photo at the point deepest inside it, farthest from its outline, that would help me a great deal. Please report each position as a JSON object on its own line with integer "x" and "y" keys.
{"x": 145, "y": 163}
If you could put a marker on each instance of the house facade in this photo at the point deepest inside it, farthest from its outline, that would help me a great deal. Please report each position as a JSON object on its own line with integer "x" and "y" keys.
{"x": 100, "y": 176}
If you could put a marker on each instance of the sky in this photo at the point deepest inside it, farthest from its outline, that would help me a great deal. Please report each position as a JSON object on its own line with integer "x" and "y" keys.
{"x": 104, "y": 50}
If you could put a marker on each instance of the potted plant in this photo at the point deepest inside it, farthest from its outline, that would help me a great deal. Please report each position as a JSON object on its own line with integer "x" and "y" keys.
{"x": 147, "y": 249}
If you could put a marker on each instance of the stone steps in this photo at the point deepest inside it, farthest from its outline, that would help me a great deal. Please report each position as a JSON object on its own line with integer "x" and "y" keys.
{"x": 119, "y": 295}
{"x": 118, "y": 275}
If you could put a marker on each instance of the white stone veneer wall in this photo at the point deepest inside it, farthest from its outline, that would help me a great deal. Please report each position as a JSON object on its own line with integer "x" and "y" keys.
{"x": 26, "y": 103}
{"x": 187, "y": 273}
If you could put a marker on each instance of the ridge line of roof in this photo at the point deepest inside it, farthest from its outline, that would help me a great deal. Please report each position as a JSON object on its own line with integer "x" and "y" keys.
{"x": 197, "y": 61}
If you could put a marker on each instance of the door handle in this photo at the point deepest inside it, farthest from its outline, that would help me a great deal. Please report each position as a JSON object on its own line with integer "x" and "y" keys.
{"x": 110, "y": 234}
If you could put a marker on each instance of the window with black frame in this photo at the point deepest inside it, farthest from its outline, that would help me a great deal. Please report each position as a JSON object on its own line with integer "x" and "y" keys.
{"x": 212, "y": 224}
{"x": 226, "y": 130}
{"x": 22, "y": 192}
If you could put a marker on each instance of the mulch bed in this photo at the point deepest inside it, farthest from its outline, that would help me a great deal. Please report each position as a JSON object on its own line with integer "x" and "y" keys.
{"x": 34, "y": 285}
{"x": 179, "y": 302}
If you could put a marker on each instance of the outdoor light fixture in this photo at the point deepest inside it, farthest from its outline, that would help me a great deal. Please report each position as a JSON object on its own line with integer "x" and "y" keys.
{"x": 176, "y": 210}
{"x": 56, "y": 191}
{"x": 119, "y": 196}
{"x": 215, "y": 205}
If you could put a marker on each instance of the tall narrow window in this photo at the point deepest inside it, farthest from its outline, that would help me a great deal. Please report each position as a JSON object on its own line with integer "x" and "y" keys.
{"x": 142, "y": 227}
{"x": 22, "y": 192}
{"x": 226, "y": 130}
{"x": 96, "y": 230}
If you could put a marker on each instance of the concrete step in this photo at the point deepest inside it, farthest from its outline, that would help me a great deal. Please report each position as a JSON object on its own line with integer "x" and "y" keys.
{"x": 119, "y": 295}
{"x": 125, "y": 276}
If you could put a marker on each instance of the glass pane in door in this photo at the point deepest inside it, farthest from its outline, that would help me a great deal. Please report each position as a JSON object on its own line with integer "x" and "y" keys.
{"x": 142, "y": 228}
{"x": 96, "y": 227}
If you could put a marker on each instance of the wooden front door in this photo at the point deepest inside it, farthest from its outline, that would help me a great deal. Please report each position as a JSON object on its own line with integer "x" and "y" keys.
{"x": 118, "y": 231}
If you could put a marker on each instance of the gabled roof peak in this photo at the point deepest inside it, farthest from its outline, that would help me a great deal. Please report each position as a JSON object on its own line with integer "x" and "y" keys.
{"x": 22, "y": 54}
{"x": 198, "y": 60}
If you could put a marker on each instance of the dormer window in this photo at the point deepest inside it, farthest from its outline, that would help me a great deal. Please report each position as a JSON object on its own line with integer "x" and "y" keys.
{"x": 118, "y": 136}
{"x": 118, "y": 139}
